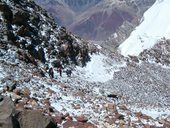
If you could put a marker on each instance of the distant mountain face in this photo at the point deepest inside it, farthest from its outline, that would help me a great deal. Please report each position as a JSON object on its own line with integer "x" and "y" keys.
{"x": 96, "y": 19}
{"x": 80, "y": 5}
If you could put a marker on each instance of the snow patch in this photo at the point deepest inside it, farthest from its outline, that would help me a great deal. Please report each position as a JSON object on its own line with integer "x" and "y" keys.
{"x": 156, "y": 25}
{"x": 99, "y": 69}
{"x": 154, "y": 112}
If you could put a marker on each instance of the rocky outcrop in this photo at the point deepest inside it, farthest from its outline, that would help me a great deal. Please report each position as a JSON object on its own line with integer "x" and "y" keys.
{"x": 10, "y": 118}
{"x": 160, "y": 53}
{"x": 36, "y": 36}
{"x": 7, "y": 13}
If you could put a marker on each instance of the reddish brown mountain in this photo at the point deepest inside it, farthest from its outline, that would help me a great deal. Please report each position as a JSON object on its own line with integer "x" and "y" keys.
{"x": 96, "y": 19}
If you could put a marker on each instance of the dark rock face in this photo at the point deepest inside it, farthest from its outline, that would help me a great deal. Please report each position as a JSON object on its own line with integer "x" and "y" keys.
{"x": 20, "y": 17}
{"x": 31, "y": 30}
{"x": 1, "y": 98}
{"x": 7, "y": 13}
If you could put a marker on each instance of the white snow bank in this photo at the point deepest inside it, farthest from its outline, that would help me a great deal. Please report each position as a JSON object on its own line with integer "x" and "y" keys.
{"x": 155, "y": 26}
{"x": 154, "y": 113}
{"x": 99, "y": 69}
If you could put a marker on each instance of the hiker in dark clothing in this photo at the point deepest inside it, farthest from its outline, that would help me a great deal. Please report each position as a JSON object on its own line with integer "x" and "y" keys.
{"x": 51, "y": 73}
{"x": 68, "y": 72}
{"x": 60, "y": 71}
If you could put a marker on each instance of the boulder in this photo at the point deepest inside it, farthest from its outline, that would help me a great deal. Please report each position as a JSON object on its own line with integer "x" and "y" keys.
{"x": 7, "y": 13}
{"x": 11, "y": 36}
{"x": 20, "y": 17}
{"x": 22, "y": 55}
{"x": 35, "y": 19}
{"x": 110, "y": 121}
{"x": 26, "y": 92}
{"x": 166, "y": 125}
{"x": 35, "y": 119}
{"x": 11, "y": 85}
{"x": 23, "y": 31}
{"x": 58, "y": 119}
{"x": 1, "y": 98}
{"x": 81, "y": 119}
{"x": 74, "y": 124}
{"x": 41, "y": 55}
{"x": 110, "y": 106}
{"x": 7, "y": 112}
{"x": 17, "y": 91}
{"x": 20, "y": 106}
{"x": 120, "y": 116}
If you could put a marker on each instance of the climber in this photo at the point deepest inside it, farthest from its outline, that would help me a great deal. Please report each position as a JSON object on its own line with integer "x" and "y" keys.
{"x": 69, "y": 72}
{"x": 51, "y": 73}
{"x": 60, "y": 70}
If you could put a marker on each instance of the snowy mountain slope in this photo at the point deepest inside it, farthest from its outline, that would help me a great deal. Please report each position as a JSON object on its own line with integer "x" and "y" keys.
{"x": 99, "y": 69}
{"x": 154, "y": 27}
{"x": 78, "y": 95}
{"x": 104, "y": 92}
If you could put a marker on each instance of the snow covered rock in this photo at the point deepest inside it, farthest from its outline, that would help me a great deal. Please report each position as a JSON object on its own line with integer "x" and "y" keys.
{"x": 26, "y": 26}
{"x": 159, "y": 53}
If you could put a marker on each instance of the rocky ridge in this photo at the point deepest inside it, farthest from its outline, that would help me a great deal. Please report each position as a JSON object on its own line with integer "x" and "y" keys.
{"x": 34, "y": 35}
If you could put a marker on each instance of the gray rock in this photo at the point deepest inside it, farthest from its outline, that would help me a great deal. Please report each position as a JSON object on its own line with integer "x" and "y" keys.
{"x": 1, "y": 98}
{"x": 35, "y": 119}
{"x": 6, "y": 113}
